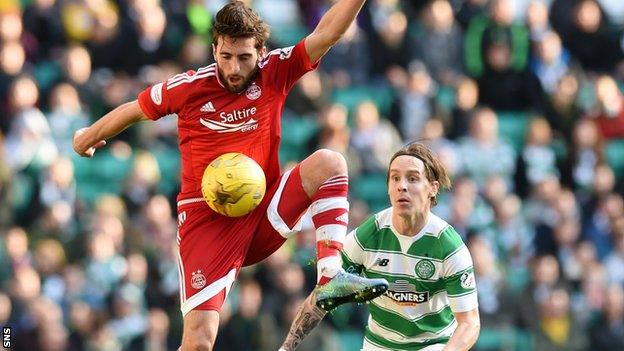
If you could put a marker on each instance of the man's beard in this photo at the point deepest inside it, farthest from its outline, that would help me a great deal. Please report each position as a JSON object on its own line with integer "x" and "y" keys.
{"x": 242, "y": 86}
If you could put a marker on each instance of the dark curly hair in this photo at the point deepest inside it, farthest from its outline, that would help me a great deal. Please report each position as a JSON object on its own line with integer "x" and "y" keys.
{"x": 236, "y": 20}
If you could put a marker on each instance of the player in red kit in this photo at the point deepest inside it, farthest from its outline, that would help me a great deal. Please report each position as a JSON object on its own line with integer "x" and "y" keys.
{"x": 234, "y": 105}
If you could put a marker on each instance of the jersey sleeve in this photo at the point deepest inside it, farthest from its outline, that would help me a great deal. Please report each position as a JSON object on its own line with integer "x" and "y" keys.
{"x": 352, "y": 254}
{"x": 167, "y": 97}
{"x": 458, "y": 272}
{"x": 285, "y": 66}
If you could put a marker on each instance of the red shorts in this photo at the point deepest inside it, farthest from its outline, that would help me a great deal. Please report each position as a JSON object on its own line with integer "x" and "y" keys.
{"x": 213, "y": 248}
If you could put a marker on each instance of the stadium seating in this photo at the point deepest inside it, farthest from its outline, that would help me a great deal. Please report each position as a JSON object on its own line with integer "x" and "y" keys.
{"x": 614, "y": 153}
{"x": 350, "y": 97}
{"x": 512, "y": 126}
{"x": 104, "y": 174}
{"x": 371, "y": 188}
{"x": 169, "y": 163}
{"x": 296, "y": 132}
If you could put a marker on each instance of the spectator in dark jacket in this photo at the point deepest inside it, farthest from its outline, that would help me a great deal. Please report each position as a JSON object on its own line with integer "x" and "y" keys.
{"x": 592, "y": 39}
{"x": 500, "y": 19}
{"x": 608, "y": 332}
{"x": 501, "y": 86}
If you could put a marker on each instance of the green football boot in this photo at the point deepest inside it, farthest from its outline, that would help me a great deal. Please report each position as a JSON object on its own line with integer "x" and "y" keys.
{"x": 348, "y": 288}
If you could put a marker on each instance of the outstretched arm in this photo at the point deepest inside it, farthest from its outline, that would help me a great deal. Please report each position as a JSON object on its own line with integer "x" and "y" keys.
{"x": 308, "y": 317}
{"x": 87, "y": 140}
{"x": 331, "y": 28}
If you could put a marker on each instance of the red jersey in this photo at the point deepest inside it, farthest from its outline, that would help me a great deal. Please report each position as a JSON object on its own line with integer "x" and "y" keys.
{"x": 213, "y": 121}
{"x": 611, "y": 127}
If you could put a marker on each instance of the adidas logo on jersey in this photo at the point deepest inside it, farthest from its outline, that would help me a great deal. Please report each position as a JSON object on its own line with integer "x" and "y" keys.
{"x": 343, "y": 218}
{"x": 208, "y": 107}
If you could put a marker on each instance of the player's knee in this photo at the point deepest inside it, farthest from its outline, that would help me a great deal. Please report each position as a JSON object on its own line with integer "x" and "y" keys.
{"x": 198, "y": 343}
{"x": 330, "y": 163}
{"x": 200, "y": 331}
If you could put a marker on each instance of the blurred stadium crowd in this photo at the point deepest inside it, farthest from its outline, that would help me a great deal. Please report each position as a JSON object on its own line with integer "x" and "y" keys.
{"x": 522, "y": 99}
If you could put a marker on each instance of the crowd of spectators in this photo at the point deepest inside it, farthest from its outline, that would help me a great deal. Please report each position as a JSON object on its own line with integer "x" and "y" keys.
{"x": 522, "y": 100}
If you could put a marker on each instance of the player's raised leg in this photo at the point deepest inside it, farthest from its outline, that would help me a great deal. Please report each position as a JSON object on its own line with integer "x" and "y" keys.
{"x": 325, "y": 180}
{"x": 200, "y": 330}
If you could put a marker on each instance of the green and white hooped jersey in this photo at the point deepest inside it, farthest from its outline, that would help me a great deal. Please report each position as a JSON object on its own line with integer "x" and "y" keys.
{"x": 430, "y": 275}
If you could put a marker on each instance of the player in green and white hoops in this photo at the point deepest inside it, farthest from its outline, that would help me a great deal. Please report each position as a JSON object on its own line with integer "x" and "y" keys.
{"x": 431, "y": 303}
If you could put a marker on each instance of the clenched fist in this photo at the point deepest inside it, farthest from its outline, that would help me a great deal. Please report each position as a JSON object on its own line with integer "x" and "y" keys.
{"x": 81, "y": 145}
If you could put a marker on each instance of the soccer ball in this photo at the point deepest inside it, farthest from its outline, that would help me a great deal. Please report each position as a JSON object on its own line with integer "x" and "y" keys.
{"x": 233, "y": 184}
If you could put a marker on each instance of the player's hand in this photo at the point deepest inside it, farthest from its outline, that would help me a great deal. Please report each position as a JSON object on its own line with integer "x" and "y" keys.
{"x": 79, "y": 144}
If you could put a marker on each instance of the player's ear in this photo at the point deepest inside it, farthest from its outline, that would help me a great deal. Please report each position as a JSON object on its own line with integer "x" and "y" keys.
{"x": 263, "y": 52}
{"x": 214, "y": 51}
{"x": 435, "y": 187}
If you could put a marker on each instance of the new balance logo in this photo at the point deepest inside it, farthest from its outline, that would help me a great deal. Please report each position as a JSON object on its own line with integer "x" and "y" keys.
{"x": 208, "y": 107}
{"x": 382, "y": 262}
